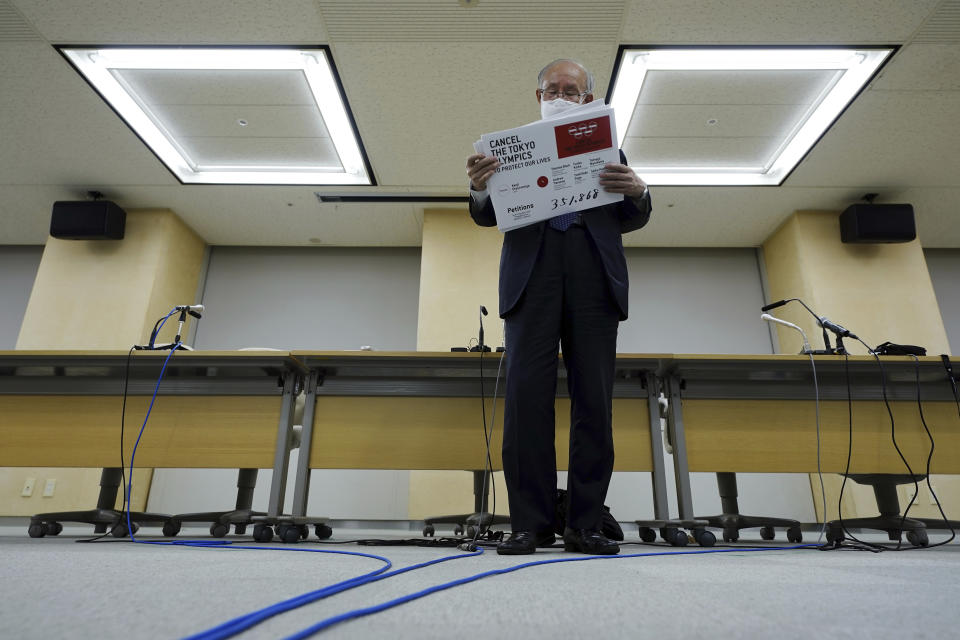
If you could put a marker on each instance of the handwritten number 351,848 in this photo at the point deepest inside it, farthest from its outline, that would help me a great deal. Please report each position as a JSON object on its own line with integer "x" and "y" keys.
{"x": 579, "y": 197}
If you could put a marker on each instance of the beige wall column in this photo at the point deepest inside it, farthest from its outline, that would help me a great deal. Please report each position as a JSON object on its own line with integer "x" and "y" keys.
{"x": 880, "y": 291}
{"x": 103, "y": 294}
{"x": 458, "y": 272}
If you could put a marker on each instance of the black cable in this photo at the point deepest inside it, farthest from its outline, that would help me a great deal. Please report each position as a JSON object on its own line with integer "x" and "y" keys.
{"x": 893, "y": 438}
{"x": 878, "y": 547}
{"x": 923, "y": 421}
{"x": 123, "y": 413}
{"x": 488, "y": 471}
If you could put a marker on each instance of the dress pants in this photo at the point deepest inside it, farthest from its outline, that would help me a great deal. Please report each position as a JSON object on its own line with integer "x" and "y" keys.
{"x": 566, "y": 301}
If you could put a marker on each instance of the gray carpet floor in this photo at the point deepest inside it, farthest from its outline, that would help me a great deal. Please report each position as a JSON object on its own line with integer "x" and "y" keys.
{"x": 55, "y": 587}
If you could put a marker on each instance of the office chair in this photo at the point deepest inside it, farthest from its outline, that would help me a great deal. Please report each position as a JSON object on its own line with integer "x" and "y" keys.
{"x": 732, "y": 522}
{"x": 885, "y": 490}
{"x": 479, "y": 518}
{"x": 49, "y": 524}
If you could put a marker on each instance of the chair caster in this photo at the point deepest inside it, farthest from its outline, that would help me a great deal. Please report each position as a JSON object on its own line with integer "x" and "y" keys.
{"x": 768, "y": 533}
{"x": 458, "y": 530}
{"x": 219, "y": 530}
{"x": 53, "y": 528}
{"x": 171, "y": 528}
{"x": 918, "y": 538}
{"x": 36, "y": 530}
{"x": 471, "y": 531}
{"x": 648, "y": 535}
{"x": 120, "y": 529}
{"x": 674, "y": 536}
{"x": 731, "y": 535}
{"x": 288, "y": 533}
{"x": 262, "y": 533}
{"x": 704, "y": 538}
{"x": 322, "y": 531}
{"x": 794, "y": 535}
{"x": 835, "y": 535}
{"x": 428, "y": 531}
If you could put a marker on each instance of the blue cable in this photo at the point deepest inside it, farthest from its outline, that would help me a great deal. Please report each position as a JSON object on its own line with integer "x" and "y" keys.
{"x": 232, "y": 627}
{"x": 242, "y": 623}
{"x": 153, "y": 337}
{"x": 358, "y": 613}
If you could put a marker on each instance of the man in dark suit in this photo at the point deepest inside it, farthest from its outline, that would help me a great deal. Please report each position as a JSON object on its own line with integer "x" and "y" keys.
{"x": 561, "y": 281}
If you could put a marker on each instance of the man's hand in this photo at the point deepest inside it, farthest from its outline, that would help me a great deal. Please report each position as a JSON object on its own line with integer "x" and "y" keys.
{"x": 619, "y": 178}
{"x": 479, "y": 169}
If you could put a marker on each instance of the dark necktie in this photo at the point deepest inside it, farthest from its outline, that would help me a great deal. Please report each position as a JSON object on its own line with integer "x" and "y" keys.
{"x": 563, "y": 221}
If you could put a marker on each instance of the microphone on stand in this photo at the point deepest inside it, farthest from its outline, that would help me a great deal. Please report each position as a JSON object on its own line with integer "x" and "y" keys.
{"x": 770, "y": 318}
{"x": 480, "y": 345}
{"x": 774, "y": 305}
{"x": 828, "y": 349}
{"x": 192, "y": 309}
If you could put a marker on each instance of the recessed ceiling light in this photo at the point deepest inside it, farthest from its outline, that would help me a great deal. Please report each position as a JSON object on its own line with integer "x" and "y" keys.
{"x": 835, "y": 77}
{"x": 118, "y": 72}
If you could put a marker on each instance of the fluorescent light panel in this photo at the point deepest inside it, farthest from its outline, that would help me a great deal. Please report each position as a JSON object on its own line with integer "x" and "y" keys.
{"x": 854, "y": 68}
{"x": 98, "y": 66}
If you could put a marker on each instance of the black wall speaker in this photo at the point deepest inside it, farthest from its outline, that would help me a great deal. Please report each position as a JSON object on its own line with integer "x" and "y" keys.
{"x": 91, "y": 220}
{"x": 865, "y": 223}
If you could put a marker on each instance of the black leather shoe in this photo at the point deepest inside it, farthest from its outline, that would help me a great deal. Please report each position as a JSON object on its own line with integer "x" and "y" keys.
{"x": 523, "y": 542}
{"x": 589, "y": 541}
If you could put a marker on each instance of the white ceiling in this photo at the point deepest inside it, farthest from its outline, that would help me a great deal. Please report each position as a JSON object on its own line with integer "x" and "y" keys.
{"x": 425, "y": 78}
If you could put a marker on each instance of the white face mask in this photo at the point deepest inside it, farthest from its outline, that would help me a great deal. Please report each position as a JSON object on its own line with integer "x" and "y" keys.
{"x": 555, "y": 108}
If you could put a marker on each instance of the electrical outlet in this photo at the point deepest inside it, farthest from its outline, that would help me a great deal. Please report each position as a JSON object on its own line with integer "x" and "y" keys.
{"x": 49, "y": 487}
{"x": 27, "y": 490}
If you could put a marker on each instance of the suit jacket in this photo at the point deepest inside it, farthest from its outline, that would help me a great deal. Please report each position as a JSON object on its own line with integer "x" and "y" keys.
{"x": 605, "y": 224}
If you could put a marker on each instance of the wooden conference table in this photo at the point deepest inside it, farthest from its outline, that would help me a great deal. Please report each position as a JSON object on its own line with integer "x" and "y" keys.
{"x": 231, "y": 410}
{"x": 757, "y": 414}
{"x": 421, "y": 410}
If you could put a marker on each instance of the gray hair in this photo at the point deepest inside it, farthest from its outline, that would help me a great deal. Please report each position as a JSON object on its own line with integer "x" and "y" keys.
{"x": 543, "y": 72}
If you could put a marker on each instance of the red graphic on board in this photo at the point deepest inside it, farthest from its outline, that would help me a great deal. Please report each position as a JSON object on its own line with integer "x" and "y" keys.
{"x": 542, "y": 181}
{"x": 584, "y": 136}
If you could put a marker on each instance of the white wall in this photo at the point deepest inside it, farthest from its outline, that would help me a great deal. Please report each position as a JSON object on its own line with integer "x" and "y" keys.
{"x": 310, "y": 298}
{"x": 944, "y": 267}
{"x": 18, "y": 270}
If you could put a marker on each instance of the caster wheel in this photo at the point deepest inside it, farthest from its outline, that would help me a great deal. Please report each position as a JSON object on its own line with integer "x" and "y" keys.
{"x": 120, "y": 529}
{"x": 471, "y": 531}
{"x": 240, "y": 529}
{"x": 706, "y": 538}
{"x": 219, "y": 530}
{"x": 289, "y": 534}
{"x": 674, "y": 536}
{"x": 767, "y": 533}
{"x": 262, "y": 533}
{"x": 648, "y": 535}
{"x": 918, "y": 538}
{"x": 731, "y": 535}
{"x": 304, "y": 531}
{"x": 53, "y": 528}
{"x": 428, "y": 531}
{"x": 171, "y": 528}
{"x": 37, "y": 530}
{"x": 794, "y": 535}
{"x": 322, "y": 531}
{"x": 834, "y": 535}
{"x": 458, "y": 530}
